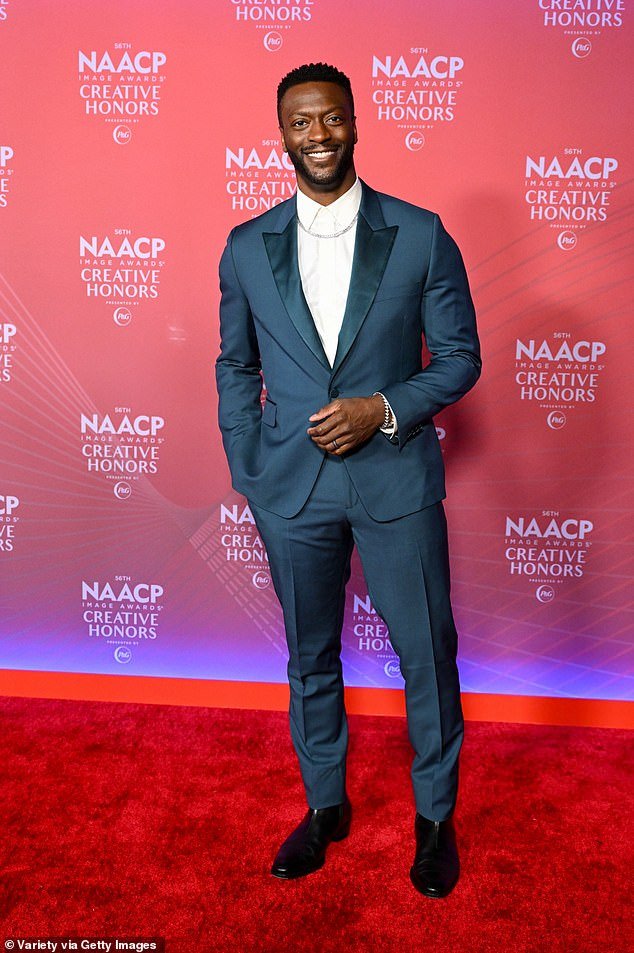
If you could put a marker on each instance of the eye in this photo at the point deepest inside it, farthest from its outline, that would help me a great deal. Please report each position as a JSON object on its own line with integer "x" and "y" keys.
{"x": 335, "y": 119}
{"x": 299, "y": 122}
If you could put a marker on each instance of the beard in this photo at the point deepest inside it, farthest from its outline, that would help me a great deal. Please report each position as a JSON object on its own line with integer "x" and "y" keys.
{"x": 325, "y": 178}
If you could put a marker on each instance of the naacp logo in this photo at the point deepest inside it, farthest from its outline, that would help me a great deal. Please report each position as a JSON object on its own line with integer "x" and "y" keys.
{"x": 369, "y": 629}
{"x": 547, "y": 548}
{"x": 122, "y": 444}
{"x": 122, "y": 269}
{"x": 8, "y": 505}
{"x": 242, "y": 543}
{"x": 121, "y": 611}
{"x": 6, "y": 173}
{"x": 121, "y": 84}
{"x": 416, "y": 91}
{"x": 569, "y": 191}
{"x": 258, "y": 177}
{"x": 8, "y": 346}
{"x": 9, "y": 518}
{"x": 559, "y": 374}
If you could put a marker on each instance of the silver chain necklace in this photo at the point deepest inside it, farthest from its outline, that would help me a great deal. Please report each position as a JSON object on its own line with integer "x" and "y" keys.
{"x": 332, "y": 234}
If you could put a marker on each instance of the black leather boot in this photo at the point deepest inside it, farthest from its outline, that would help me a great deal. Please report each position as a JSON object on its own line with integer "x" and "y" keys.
{"x": 436, "y": 865}
{"x": 305, "y": 850}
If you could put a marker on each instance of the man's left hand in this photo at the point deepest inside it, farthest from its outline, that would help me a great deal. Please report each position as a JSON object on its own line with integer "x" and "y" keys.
{"x": 346, "y": 423}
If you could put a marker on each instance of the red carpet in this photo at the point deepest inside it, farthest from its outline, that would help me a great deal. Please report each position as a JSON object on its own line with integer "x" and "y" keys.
{"x": 152, "y": 820}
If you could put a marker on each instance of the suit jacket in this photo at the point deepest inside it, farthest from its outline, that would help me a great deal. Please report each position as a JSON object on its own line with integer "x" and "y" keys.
{"x": 408, "y": 281}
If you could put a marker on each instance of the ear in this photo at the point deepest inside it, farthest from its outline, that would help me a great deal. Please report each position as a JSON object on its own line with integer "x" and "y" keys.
{"x": 282, "y": 141}
{"x": 354, "y": 127}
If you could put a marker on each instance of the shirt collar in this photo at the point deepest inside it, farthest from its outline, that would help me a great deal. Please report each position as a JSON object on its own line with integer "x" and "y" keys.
{"x": 342, "y": 209}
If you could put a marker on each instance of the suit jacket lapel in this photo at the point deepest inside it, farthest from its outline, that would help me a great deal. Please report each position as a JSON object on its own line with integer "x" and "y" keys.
{"x": 372, "y": 248}
{"x": 281, "y": 248}
{"x": 373, "y": 244}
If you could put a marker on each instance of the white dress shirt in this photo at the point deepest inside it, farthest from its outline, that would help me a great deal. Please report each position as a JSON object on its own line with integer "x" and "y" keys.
{"x": 325, "y": 264}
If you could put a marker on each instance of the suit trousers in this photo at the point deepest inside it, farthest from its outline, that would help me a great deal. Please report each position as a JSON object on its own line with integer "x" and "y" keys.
{"x": 406, "y": 567}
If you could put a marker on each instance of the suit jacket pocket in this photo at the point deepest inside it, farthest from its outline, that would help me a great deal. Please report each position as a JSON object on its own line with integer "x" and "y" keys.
{"x": 269, "y": 412}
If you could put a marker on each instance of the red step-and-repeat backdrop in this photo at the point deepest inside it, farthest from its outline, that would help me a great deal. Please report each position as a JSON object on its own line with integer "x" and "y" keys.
{"x": 133, "y": 136}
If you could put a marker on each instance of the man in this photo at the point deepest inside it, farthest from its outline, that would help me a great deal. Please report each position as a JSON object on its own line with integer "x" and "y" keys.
{"x": 329, "y": 295}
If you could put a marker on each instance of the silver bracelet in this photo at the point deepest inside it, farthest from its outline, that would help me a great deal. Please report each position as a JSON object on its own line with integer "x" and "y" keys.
{"x": 387, "y": 420}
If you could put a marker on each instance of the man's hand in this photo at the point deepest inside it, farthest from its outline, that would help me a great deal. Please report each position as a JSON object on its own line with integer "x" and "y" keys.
{"x": 346, "y": 423}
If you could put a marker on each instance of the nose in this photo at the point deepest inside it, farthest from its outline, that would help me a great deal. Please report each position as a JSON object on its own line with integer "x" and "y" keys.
{"x": 318, "y": 131}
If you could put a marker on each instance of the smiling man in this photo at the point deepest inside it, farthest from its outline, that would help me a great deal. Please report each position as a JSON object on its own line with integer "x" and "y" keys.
{"x": 328, "y": 297}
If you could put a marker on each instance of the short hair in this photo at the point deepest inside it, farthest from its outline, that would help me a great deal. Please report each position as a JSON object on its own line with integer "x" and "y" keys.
{"x": 313, "y": 73}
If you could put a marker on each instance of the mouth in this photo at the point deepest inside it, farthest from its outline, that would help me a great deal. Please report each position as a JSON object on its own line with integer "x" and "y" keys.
{"x": 321, "y": 155}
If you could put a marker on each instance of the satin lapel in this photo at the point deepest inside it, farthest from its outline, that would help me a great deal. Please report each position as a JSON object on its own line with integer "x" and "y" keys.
{"x": 281, "y": 248}
{"x": 371, "y": 253}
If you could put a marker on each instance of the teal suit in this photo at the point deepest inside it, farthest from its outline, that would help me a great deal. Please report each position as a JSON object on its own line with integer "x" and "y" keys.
{"x": 408, "y": 281}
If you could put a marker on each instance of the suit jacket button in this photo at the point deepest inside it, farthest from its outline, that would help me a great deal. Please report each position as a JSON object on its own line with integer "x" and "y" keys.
{"x": 334, "y": 393}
